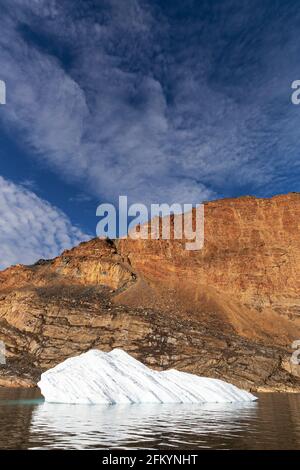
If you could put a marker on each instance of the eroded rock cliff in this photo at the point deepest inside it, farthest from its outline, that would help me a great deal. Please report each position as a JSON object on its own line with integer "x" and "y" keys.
{"x": 230, "y": 310}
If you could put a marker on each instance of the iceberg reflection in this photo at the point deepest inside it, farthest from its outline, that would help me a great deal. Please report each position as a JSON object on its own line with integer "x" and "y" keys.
{"x": 139, "y": 426}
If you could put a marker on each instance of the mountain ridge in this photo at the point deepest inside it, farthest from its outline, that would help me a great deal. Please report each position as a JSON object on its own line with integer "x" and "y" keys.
{"x": 230, "y": 310}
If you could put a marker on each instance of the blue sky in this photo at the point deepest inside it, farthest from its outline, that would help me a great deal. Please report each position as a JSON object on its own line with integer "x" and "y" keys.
{"x": 162, "y": 101}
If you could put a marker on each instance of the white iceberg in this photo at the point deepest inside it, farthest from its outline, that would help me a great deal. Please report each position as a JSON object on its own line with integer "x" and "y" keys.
{"x": 96, "y": 377}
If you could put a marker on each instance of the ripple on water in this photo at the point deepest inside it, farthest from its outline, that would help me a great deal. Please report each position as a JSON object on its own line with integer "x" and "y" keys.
{"x": 273, "y": 422}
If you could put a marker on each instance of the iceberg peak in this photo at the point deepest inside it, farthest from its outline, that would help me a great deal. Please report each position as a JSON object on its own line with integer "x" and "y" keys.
{"x": 97, "y": 377}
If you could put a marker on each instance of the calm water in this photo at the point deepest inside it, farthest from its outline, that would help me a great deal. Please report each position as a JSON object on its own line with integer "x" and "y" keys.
{"x": 28, "y": 423}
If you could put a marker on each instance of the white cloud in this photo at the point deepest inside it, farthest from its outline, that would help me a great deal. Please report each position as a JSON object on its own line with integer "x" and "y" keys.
{"x": 31, "y": 228}
{"x": 99, "y": 123}
{"x": 133, "y": 113}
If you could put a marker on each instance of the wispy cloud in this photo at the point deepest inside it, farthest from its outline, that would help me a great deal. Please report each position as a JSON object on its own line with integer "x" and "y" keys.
{"x": 80, "y": 198}
{"x": 159, "y": 104}
{"x": 31, "y": 228}
{"x": 29, "y": 184}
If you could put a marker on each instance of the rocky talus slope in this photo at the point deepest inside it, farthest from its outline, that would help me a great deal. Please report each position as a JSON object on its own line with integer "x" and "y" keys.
{"x": 230, "y": 310}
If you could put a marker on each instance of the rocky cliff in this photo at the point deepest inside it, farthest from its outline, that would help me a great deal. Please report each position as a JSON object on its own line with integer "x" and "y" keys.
{"x": 230, "y": 310}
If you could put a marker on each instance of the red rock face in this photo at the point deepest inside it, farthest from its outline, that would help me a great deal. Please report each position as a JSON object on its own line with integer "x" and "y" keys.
{"x": 230, "y": 310}
{"x": 249, "y": 267}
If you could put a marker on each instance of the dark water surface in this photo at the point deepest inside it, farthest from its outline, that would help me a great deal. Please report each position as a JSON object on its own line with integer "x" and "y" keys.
{"x": 273, "y": 422}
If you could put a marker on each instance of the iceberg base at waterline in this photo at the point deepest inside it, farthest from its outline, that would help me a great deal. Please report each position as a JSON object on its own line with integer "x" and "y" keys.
{"x": 96, "y": 377}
